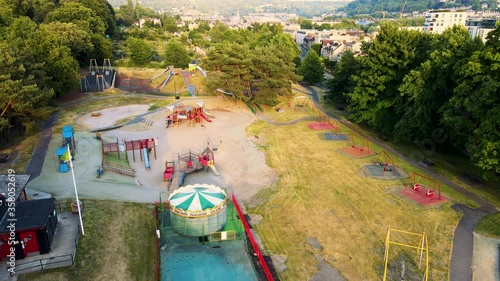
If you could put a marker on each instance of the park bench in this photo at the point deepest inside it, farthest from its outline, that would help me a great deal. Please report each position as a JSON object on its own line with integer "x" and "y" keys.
{"x": 4, "y": 158}
{"x": 429, "y": 161}
{"x": 96, "y": 114}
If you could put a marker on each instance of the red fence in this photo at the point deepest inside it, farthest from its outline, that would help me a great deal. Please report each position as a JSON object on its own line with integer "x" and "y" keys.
{"x": 263, "y": 263}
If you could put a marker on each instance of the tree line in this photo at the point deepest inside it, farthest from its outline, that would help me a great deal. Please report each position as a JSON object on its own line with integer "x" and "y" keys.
{"x": 42, "y": 44}
{"x": 418, "y": 86}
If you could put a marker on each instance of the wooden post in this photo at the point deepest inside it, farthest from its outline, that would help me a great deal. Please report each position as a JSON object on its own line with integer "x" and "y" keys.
{"x": 140, "y": 152}
{"x": 126, "y": 151}
{"x": 154, "y": 149}
{"x": 102, "y": 150}
{"x": 117, "y": 148}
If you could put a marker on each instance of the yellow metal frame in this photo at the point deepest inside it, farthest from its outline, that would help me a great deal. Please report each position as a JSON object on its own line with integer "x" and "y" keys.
{"x": 421, "y": 247}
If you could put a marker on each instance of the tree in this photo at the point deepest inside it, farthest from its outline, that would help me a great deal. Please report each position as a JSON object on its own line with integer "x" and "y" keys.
{"x": 391, "y": 56}
{"x": 29, "y": 101}
{"x": 69, "y": 35}
{"x": 471, "y": 114}
{"x": 342, "y": 83}
{"x": 139, "y": 52}
{"x": 311, "y": 68}
{"x": 429, "y": 86}
{"x": 176, "y": 54}
{"x": 317, "y": 48}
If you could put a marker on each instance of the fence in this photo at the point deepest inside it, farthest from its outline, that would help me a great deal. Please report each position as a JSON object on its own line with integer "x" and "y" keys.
{"x": 49, "y": 263}
{"x": 255, "y": 247}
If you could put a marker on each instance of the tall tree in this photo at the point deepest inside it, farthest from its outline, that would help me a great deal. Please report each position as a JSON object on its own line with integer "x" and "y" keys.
{"x": 388, "y": 59}
{"x": 472, "y": 114}
{"x": 429, "y": 86}
{"x": 311, "y": 68}
{"x": 342, "y": 83}
{"x": 176, "y": 54}
{"x": 139, "y": 51}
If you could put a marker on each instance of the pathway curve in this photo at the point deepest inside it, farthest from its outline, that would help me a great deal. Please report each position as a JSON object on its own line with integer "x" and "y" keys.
{"x": 461, "y": 257}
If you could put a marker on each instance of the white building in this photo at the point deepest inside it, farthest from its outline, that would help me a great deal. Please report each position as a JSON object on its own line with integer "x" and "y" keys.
{"x": 437, "y": 21}
{"x": 480, "y": 27}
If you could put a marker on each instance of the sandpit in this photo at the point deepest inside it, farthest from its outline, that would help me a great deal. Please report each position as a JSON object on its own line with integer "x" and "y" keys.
{"x": 241, "y": 164}
{"x": 109, "y": 116}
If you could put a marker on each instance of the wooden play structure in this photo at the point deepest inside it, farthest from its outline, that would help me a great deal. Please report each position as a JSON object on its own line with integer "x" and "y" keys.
{"x": 178, "y": 114}
{"x": 191, "y": 161}
{"x": 401, "y": 238}
{"x": 301, "y": 101}
{"x": 424, "y": 185}
{"x": 387, "y": 163}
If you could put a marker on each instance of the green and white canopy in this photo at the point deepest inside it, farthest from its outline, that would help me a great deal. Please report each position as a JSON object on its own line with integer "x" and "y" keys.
{"x": 197, "y": 197}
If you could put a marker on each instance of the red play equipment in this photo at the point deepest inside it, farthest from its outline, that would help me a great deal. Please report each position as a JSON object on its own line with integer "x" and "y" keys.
{"x": 168, "y": 174}
{"x": 178, "y": 113}
{"x": 388, "y": 163}
{"x": 418, "y": 181}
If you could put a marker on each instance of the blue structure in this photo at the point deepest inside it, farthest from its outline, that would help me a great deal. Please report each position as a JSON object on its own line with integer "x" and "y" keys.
{"x": 146, "y": 159}
{"x": 63, "y": 166}
{"x": 68, "y": 137}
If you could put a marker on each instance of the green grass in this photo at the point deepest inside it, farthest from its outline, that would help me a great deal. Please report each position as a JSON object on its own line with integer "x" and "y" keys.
{"x": 119, "y": 244}
{"x": 322, "y": 194}
{"x": 330, "y": 106}
{"x": 20, "y": 150}
{"x": 141, "y": 73}
{"x": 288, "y": 114}
{"x": 175, "y": 85}
{"x": 199, "y": 82}
{"x": 488, "y": 226}
{"x": 113, "y": 158}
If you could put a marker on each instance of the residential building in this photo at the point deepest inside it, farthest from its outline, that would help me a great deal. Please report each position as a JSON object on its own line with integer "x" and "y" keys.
{"x": 437, "y": 21}
{"x": 480, "y": 27}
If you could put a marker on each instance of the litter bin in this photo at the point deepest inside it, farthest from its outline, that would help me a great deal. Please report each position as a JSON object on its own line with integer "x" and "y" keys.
{"x": 177, "y": 97}
{"x": 74, "y": 207}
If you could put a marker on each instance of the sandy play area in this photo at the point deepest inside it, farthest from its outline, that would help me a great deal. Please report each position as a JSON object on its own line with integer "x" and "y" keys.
{"x": 241, "y": 164}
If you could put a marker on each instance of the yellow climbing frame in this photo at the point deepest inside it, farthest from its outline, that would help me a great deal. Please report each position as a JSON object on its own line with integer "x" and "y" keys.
{"x": 421, "y": 247}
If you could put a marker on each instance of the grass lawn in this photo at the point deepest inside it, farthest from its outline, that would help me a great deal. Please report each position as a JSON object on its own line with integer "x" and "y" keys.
{"x": 157, "y": 82}
{"x": 329, "y": 106}
{"x": 289, "y": 114}
{"x": 141, "y": 73}
{"x": 199, "y": 82}
{"x": 119, "y": 244}
{"x": 322, "y": 194}
{"x": 113, "y": 158}
{"x": 20, "y": 153}
{"x": 175, "y": 85}
{"x": 488, "y": 226}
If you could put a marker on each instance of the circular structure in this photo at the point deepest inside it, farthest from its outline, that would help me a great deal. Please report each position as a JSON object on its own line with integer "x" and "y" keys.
{"x": 198, "y": 210}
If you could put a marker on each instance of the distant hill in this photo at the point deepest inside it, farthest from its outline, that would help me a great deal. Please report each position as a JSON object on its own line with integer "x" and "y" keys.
{"x": 395, "y": 6}
{"x": 304, "y": 8}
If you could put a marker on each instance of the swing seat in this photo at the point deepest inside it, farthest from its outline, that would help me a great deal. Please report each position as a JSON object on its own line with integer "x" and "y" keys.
{"x": 416, "y": 186}
{"x": 190, "y": 164}
{"x": 429, "y": 193}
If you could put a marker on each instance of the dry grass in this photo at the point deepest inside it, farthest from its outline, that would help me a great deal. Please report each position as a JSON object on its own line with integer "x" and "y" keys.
{"x": 118, "y": 245}
{"x": 175, "y": 84}
{"x": 289, "y": 114}
{"x": 321, "y": 194}
{"x": 20, "y": 154}
{"x": 141, "y": 73}
{"x": 199, "y": 82}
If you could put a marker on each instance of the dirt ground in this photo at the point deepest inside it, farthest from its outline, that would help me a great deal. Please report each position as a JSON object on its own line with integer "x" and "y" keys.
{"x": 134, "y": 84}
{"x": 486, "y": 258}
{"x": 243, "y": 169}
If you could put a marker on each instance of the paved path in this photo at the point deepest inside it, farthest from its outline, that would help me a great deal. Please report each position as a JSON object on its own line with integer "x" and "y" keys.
{"x": 34, "y": 167}
{"x": 461, "y": 258}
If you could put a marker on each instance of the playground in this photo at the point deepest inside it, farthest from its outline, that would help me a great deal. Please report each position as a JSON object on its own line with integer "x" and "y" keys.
{"x": 240, "y": 165}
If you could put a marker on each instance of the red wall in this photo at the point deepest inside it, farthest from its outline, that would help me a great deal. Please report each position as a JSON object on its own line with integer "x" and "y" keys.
{"x": 30, "y": 245}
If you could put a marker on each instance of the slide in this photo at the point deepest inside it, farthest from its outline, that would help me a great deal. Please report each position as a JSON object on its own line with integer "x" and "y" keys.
{"x": 146, "y": 160}
{"x": 214, "y": 169}
{"x": 166, "y": 80}
{"x": 225, "y": 93}
{"x": 202, "y": 71}
{"x": 205, "y": 117}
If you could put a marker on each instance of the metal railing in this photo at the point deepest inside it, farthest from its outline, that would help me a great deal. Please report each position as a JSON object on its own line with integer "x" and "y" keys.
{"x": 49, "y": 263}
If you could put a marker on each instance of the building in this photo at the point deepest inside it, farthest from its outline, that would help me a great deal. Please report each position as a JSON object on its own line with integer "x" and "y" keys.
{"x": 13, "y": 186}
{"x": 437, "y": 21}
{"x": 35, "y": 225}
{"x": 480, "y": 27}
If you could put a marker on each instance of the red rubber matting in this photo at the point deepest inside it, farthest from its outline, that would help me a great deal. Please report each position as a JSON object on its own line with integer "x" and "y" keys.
{"x": 357, "y": 151}
{"x": 321, "y": 126}
{"x": 420, "y": 197}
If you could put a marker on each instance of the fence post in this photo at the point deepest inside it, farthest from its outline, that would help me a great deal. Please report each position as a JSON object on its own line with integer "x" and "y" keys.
{"x": 41, "y": 264}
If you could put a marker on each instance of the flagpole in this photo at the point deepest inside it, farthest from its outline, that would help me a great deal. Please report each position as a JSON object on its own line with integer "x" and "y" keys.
{"x": 76, "y": 192}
